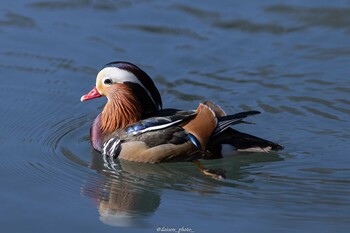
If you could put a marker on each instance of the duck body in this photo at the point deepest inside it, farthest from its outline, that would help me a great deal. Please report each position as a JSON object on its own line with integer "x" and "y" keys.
{"x": 153, "y": 140}
{"x": 134, "y": 127}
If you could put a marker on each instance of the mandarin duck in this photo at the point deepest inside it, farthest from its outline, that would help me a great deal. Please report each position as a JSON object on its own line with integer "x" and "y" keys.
{"x": 133, "y": 125}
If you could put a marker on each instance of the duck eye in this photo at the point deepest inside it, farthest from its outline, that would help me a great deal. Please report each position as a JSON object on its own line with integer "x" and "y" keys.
{"x": 107, "y": 81}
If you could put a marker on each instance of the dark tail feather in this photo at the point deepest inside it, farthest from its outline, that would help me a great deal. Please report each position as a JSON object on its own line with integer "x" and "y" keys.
{"x": 226, "y": 121}
{"x": 242, "y": 142}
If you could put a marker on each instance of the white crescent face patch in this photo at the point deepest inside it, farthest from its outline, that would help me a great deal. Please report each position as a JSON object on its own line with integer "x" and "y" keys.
{"x": 119, "y": 76}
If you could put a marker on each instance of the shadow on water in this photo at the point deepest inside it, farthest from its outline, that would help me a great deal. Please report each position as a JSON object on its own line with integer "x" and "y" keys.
{"x": 126, "y": 193}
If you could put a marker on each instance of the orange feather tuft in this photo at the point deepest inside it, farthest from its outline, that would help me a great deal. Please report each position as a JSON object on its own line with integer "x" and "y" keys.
{"x": 203, "y": 125}
{"x": 121, "y": 109}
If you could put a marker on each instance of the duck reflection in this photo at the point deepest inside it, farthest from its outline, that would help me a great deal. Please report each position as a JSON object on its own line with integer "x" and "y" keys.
{"x": 127, "y": 193}
{"x": 122, "y": 206}
{"x": 122, "y": 198}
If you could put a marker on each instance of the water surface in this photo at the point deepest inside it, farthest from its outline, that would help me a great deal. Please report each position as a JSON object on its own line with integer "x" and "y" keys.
{"x": 287, "y": 60}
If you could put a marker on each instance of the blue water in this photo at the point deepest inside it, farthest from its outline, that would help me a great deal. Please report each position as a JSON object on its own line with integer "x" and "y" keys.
{"x": 289, "y": 60}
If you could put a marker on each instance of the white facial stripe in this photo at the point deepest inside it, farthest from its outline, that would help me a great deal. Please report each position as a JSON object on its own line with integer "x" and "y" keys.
{"x": 120, "y": 76}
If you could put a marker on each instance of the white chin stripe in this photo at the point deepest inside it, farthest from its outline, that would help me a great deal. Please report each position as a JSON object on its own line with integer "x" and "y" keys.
{"x": 121, "y": 76}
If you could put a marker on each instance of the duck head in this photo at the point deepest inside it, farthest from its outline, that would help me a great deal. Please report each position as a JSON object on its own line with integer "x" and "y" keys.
{"x": 131, "y": 95}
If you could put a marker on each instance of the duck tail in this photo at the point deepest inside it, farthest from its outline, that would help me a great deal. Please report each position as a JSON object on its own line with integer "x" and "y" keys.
{"x": 227, "y": 121}
{"x": 223, "y": 134}
{"x": 242, "y": 142}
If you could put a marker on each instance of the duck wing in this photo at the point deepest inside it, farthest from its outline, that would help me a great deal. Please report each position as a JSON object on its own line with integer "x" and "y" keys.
{"x": 150, "y": 133}
{"x": 158, "y": 123}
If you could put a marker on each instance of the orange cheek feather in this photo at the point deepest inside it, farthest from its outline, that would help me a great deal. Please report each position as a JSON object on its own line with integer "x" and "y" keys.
{"x": 121, "y": 109}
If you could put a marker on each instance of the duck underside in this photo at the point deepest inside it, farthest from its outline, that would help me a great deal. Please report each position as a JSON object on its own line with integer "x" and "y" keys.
{"x": 138, "y": 151}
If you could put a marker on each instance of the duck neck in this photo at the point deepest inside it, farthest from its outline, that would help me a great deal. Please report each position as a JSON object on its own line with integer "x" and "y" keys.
{"x": 121, "y": 110}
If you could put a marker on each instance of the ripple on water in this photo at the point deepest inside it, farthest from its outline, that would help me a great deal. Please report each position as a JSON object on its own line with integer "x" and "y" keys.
{"x": 164, "y": 30}
{"x": 17, "y": 20}
{"x": 65, "y": 136}
{"x": 36, "y": 124}
{"x": 49, "y": 166}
